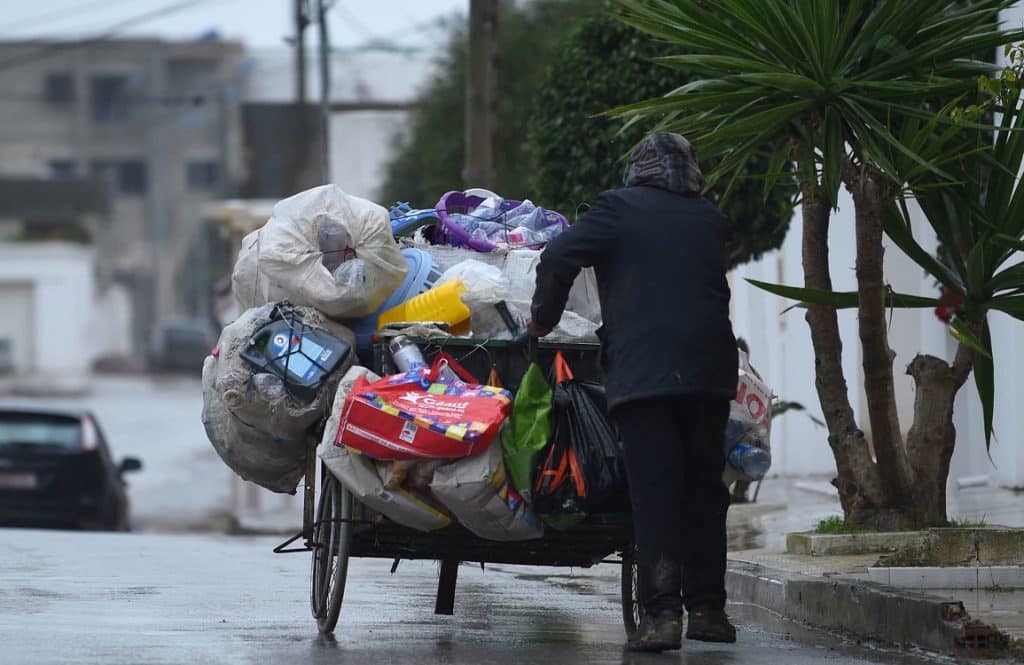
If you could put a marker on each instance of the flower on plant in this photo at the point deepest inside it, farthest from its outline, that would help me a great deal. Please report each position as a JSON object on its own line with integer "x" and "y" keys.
{"x": 950, "y": 304}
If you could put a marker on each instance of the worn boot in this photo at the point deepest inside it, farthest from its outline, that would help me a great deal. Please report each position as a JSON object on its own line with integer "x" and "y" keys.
{"x": 661, "y": 633}
{"x": 708, "y": 625}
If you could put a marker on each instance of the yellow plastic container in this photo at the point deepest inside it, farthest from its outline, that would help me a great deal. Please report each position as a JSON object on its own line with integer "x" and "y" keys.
{"x": 439, "y": 304}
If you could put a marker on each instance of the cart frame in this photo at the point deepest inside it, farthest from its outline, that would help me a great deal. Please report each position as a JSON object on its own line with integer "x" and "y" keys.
{"x": 336, "y": 527}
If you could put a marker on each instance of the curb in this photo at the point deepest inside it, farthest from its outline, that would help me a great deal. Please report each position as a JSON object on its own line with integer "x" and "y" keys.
{"x": 865, "y": 609}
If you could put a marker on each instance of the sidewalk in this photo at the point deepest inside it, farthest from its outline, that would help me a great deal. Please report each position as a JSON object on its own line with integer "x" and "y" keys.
{"x": 837, "y": 592}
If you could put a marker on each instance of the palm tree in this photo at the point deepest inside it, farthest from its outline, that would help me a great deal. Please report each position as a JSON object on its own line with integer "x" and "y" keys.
{"x": 849, "y": 91}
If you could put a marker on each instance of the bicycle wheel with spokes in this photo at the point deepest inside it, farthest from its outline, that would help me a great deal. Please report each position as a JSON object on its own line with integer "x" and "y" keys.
{"x": 332, "y": 538}
{"x": 632, "y": 610}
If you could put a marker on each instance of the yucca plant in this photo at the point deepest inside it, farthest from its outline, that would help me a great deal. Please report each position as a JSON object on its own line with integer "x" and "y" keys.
{"x": 851, "y": 91}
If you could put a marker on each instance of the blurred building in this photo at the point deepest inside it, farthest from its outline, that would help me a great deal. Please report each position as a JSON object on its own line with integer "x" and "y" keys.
{"x": 372, "y": 89}
{"x": 155, "y": 124}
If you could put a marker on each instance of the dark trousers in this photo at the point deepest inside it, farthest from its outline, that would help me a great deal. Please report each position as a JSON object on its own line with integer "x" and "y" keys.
{"x": 674, "y": 459}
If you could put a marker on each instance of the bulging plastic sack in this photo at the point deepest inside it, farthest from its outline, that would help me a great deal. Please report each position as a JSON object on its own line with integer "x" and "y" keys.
{"x": 479, "y": 493}
{"x": 361, "y": 476}
{"x": 750, "y": 414}
{"x": 322, "y": 248}
{"x": 258, "y": 428}
{"x": 528, "y": 430}
{"x": 581, "y": 471}
{"x": 521, "y": 270}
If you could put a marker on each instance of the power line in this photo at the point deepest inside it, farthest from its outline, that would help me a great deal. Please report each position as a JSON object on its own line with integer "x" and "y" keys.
{"x": 66, "y": 12}
{"x": 89, "y": 42}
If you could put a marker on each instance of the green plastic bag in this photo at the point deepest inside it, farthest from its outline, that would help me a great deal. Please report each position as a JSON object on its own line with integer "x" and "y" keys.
{"x": 528, "y": 430}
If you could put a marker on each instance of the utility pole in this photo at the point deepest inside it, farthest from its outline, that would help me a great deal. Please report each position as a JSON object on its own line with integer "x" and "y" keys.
{"x": 481, "y": 95}
{"x": 301, "y": 21}
{"x": 325, "y": 87}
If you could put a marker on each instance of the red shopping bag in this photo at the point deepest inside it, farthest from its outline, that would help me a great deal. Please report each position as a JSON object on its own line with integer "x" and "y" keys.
{"x": 417, "y": 416}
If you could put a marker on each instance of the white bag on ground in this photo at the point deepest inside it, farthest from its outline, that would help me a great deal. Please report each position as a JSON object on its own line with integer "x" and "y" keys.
{"x": 292, "y": 256}
{"x": 258, "y": 429}
{"x": 478, "y": 492}
{"x": 359, "y": 474}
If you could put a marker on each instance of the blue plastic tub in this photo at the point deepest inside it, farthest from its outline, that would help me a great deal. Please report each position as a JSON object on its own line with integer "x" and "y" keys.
{"x": 423, "y": 274}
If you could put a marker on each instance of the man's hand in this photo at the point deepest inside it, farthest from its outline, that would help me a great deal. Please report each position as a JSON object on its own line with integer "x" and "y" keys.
{"x": 535, "y": 330}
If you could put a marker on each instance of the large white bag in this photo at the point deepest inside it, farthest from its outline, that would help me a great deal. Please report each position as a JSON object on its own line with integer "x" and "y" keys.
{"x": 285, "y": 260}
{"x": 258, "y": 429}
{"x": 359, "y": 474}
{"x": 479, "y": 493}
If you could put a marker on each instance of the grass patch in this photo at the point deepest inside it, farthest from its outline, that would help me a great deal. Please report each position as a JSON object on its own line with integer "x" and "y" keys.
{"x": 965, "y": 523}
{"x": 836, "y": 525}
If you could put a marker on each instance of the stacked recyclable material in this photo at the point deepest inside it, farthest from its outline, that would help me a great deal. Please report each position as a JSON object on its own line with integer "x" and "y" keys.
{"x": 429, "y": 445}
{"x": 257, "y": 418}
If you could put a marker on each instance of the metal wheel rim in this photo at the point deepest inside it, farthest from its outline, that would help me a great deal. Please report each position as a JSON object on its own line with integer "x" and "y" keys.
{"x": 321, "y": 535}
{"x": 337, "y": 573}
{"x": 331, "y": 552}
{"x": 632, "y": 611}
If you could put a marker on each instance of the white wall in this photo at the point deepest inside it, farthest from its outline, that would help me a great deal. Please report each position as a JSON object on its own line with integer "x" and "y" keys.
{"x": 111, "y": 323}
{"x": 781, "y": 350}
{"x": 61, "y": 280}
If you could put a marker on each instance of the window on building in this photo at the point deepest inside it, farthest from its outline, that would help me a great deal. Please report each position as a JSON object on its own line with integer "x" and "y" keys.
{"x": 62, "y": 169}
{"x": 107, "y": 99}
{"x": 59, "y": 89}
{"x": 201, "y": 176}
{"x": 127, "y": 176}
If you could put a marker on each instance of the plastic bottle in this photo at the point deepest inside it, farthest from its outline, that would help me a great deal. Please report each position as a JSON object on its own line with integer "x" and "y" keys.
{"x": 406, "y": 354}
{"x": 750, "y": 460}
{"x": 335, "y": 243}
{"x": 440, "y": 304}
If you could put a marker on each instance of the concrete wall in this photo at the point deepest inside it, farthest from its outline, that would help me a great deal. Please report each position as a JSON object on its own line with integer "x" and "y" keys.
{"x": 60, "y": 343}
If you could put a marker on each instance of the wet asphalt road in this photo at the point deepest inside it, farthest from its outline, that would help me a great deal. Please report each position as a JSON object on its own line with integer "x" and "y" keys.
{"x": 153, "y": 598}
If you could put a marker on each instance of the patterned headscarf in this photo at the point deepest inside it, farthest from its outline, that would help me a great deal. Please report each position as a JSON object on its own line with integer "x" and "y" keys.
{"x": 666, "y": 161}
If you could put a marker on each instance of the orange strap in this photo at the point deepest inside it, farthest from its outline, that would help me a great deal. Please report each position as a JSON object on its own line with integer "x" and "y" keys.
{"x": 577, "y": 474}
{"x": 562, "y": 371}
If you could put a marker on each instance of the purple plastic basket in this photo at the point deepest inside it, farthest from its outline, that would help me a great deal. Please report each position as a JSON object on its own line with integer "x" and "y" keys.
{"x": 449, "y": 232}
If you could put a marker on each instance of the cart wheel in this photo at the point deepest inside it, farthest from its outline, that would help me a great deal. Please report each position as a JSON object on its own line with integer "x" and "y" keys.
{"x": 332, "y": 539}
{"x": 632, "y": 610}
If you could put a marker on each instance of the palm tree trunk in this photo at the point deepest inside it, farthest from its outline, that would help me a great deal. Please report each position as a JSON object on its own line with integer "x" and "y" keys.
{"x": 860, "y": 489}
{"x": 932, "y": 437}
{"x": 877, "y": 357}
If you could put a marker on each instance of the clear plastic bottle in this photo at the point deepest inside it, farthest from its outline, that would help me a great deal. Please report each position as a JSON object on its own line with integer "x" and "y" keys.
{"x": 335, "y": 244}
{"x": 750, "y": 460}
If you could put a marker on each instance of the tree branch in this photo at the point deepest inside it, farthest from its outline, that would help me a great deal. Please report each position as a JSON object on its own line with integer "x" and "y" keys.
{"x": 858, "y": 481}
{"x": 879, "y": 382}
{"x": 963, "y": 363}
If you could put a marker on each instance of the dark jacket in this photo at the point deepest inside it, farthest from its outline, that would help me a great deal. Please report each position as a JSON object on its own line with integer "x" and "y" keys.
{"x": 660, "y": 263}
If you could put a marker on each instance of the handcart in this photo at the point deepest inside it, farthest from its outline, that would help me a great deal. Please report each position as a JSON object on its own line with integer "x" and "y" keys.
{"x": 337, "y": 527}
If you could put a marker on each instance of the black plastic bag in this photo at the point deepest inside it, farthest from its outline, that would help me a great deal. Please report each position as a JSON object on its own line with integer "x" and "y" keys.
{"x": 581, "y": 471}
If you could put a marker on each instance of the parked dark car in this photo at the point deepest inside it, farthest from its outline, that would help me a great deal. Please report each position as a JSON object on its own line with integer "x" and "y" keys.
{"x": 181, "y": 345}
{"x": 56, "y": 471}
